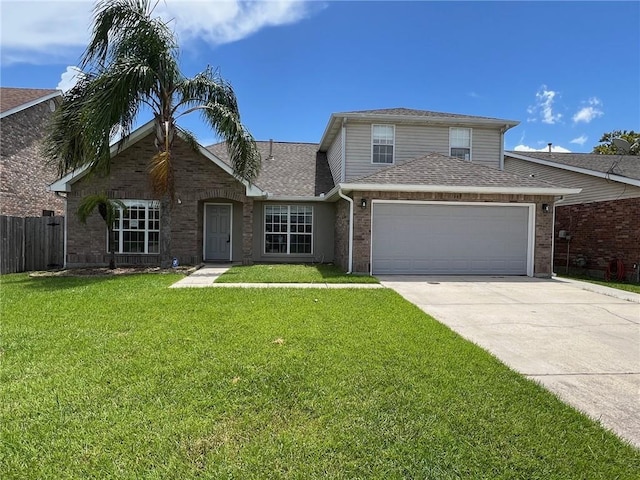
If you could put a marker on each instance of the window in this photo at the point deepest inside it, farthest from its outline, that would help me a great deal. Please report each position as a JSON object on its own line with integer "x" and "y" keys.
{"x": 460, "y": 143}
{"x": 288, "y": 229}
{"x": 382, "y": 137}
{"x": 138, "y": 229}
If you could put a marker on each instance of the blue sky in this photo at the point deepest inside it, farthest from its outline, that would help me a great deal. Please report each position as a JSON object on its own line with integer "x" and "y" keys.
{"x": 568, "y": 71}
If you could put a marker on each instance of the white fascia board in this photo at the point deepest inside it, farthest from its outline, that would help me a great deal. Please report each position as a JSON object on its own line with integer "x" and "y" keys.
{"x": 64, "y": 184}
{"x": 291, "y": 198}
{"x": 329, "y": 133}
{"x": 30, "y": 104}
{"x": 428, "y": 119}
{"x": 348, "y": 187}
{"x": 585, "y": 171}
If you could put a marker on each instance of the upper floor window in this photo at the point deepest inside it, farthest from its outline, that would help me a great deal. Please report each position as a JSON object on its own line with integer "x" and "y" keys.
{"x": 137, "y": 230}
{"x": 460, "y": 143}
{"x": 382, "y": 138}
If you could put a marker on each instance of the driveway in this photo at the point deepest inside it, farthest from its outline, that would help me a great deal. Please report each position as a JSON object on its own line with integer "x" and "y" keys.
{"x": 582, "y": 345}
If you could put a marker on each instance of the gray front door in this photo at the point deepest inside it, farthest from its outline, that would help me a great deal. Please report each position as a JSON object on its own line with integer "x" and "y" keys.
{"x": 217, "y": 242}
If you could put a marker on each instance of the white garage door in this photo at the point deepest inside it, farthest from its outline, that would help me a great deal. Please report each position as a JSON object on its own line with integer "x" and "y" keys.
{"x": 462, "y": 239}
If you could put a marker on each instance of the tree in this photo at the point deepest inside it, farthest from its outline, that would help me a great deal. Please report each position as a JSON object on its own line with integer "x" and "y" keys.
{"x": 108, "y": 210}
{"x": 607, "y": 147}
{"x": 131, "y": 63}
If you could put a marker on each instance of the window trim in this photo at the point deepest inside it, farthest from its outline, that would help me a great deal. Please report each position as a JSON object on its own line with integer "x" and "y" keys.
{"x": 128, "y": 202}
{"x": 470, "y": 142}
{"x": 393, "y": 144}
{"x": 288, "y": 234}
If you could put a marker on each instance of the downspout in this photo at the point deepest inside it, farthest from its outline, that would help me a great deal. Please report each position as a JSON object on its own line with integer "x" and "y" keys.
{"x": 343, "y": 137}
{"x": 350, "y": 200}
{"x": 502, "y": 130}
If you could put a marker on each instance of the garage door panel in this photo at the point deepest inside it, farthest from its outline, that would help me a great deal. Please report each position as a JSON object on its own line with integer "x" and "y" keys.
{"x": 453, "y": 239}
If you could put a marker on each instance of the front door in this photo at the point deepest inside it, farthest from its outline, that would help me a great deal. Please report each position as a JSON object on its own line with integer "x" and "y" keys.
{"x": 217, "y": 232}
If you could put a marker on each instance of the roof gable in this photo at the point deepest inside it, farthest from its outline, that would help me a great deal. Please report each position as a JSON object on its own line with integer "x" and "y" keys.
{"x": 13, "y": 100}
{"x": 624, "y": 168}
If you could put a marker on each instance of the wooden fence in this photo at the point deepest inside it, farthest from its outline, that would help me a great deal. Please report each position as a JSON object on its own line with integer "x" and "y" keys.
{"x": 31, "y": 243}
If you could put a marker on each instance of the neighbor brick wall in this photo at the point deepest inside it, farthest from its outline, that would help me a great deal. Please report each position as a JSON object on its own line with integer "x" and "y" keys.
{"x": 197, "y": 180}
{"x": 341, "y": 235}
{"x": 24, "y": 173}
{"x": 600, "y": 232}
{"x": 362, "y": 223}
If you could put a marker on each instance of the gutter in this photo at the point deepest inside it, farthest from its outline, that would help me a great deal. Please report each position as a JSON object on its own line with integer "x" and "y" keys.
{"x": 350, "y": 200}
{"x": 349, "y": 187}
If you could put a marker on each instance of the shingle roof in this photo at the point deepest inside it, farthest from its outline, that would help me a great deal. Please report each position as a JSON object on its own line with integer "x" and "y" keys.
{"x": 295, "y": 169}
{"x": 401, "y": 111}
{"x": 14, "y": 97}
{"x": 622, "y": 165}
{"x": 438, "y": 169}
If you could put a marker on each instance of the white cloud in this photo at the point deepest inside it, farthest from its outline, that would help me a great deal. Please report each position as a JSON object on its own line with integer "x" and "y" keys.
{"x": 543, "y": 107}
{"x": 69, "y": 78}
{"x": 51, "y": 31}
{"x": 554, "y": 149}
{"x": 581, "y": 140}
{"x": 588, "y": 113}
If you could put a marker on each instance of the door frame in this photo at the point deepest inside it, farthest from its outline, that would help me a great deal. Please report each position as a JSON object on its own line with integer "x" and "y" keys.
{"x": 204, "y": 228}
{"x": 531, "y": 223}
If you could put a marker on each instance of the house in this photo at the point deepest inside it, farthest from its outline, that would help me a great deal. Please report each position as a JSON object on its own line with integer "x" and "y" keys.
{"x": 598, "y": 226}
{"x": 384, "y": 191}
{"x": 25, "y": 175}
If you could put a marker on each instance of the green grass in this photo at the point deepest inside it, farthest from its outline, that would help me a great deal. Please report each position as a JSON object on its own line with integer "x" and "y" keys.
{"x": 629, "y": 287}
{"x": 298, "y": 273}
{"x": 125, "y": 378}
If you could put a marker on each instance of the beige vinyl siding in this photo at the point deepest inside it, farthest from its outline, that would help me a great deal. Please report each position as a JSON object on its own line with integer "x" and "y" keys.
{"x": 594, "y": 189}
{"x": 485, "y": 147}
{"x": 334, "y": 156}
{"x": 412, "y": 141}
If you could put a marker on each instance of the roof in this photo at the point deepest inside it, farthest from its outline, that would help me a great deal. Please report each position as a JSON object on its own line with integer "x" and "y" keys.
{"x": 437, "y": 172}
{"x": 614, "y": 167}
{"x": 401, "y": 114}
{"x": 13, "y": 100}
{"x": 293, "y": 169}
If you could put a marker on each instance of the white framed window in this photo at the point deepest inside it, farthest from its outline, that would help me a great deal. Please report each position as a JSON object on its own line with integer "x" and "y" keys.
{"x": 460, "y": 143}
{"x": 137, "y": 230}
{"x": 382, "y": 143}
{"x": 288, "y": 229}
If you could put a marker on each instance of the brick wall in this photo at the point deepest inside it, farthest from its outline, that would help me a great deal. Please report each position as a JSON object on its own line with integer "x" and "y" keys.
{"x": 24, "y": 174}
{"x": 362, "y": 223}
{"x": 197, "y": 180}
{"x": 600, "y": 232}
{"x": 341, "y": 237}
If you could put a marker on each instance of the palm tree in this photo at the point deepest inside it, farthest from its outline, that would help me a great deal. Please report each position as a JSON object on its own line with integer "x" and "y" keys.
{"x": 131, "y": 63}
{"x": 108, "y": 210}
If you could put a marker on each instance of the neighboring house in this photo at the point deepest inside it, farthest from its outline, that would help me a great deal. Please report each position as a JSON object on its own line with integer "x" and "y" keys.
{"x": 601, "y": 224}
{"x": 385, "y": 191}
{"x": 24, "y": 173}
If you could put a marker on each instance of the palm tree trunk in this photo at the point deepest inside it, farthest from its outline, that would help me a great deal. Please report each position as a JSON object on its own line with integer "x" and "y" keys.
{"x": 166, "y": 257}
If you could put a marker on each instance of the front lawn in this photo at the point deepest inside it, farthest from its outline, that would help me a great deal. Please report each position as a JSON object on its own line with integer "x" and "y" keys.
{"x": 291, "y": 273}
{"x": 126, "y": 378}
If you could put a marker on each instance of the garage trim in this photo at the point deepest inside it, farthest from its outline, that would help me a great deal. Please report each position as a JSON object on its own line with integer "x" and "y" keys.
{"x": 531, "y": 230}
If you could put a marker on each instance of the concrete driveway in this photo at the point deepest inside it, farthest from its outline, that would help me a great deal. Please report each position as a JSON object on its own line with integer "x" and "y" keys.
{"x": 583, "y": 345}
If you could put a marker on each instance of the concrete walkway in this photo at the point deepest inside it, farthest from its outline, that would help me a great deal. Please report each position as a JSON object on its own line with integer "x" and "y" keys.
{"x": 579, "y": 340}
{"x": 207, "y": 275}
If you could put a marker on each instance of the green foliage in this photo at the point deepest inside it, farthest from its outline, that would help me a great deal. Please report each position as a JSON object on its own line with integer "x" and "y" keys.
{"x": 606, "y": 146}
{"x": 125, "y": 378}
{"x": 108, "y": 210}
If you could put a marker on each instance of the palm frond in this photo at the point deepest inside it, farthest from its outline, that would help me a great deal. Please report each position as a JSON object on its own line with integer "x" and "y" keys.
{"x": 161, "y": 173}
{"x": 107, "y": 208}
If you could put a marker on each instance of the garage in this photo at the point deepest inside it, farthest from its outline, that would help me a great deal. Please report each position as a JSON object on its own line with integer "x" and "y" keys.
{"x": 450, "y": 238}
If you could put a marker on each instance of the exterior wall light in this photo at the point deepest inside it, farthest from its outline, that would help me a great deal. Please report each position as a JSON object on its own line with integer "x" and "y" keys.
{"x": 363, "y": 203}
{"x": 546, "y": 208}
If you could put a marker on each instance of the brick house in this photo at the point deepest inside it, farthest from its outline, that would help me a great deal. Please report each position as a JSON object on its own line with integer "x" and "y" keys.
{"x": 384, "y": 191}
{"x": 601, "y": 224}
{"x": 25, "y": 176}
